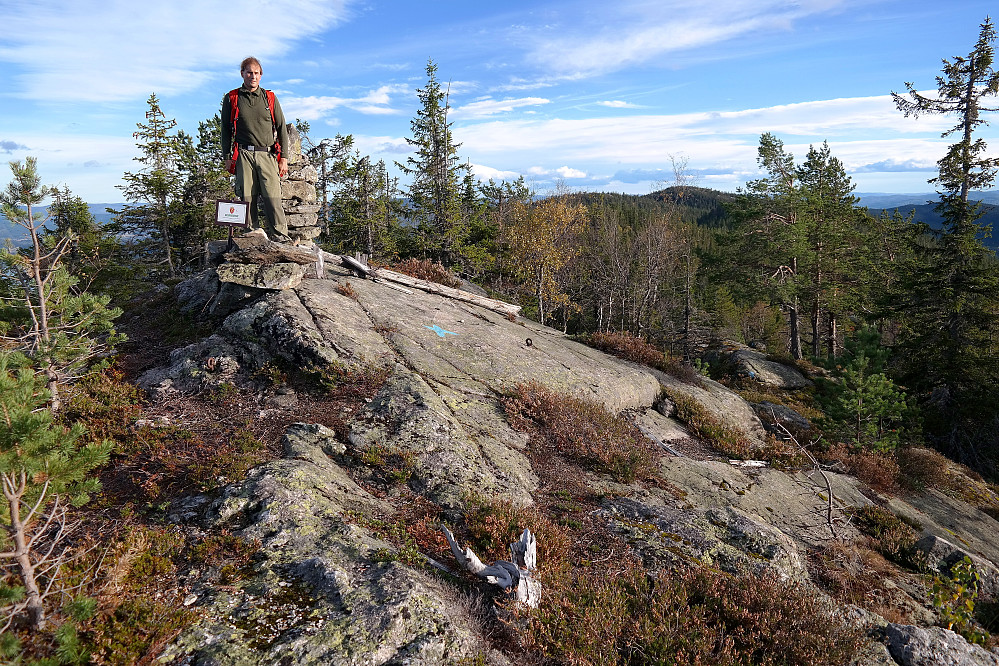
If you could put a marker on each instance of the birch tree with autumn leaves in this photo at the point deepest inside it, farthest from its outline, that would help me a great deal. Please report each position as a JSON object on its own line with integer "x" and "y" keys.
{"x": 543, "y": 240}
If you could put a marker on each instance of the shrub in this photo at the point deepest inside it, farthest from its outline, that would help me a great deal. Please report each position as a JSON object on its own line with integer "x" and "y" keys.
{"x": 923, "y": 468}
{"x": 493, "y": 524}
{"x": 707, "y": 427}
{"x": 891, "y": 535}
{"x": 424, "y": 269}
{"x": 954, "y": 598}
{"x": 637, "y": 350}
{"x": 853, "y": 573}
{"x": 582, "y": 430}
{"x": 696, "y": 616}
{"x": 880, "y": 471}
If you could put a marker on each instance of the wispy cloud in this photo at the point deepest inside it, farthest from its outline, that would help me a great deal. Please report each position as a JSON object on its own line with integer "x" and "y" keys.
{"x": 866, "y": 133}
{"x": 491, "y": 107}
{"x": 618, "y": 104}
{"x": 630, "y": 32}
{"x": 106, "y": 50}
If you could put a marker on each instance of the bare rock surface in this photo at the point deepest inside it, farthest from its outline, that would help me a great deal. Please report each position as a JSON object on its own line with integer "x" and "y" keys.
{"x": 448, "y": 365}
{"x": 934, "y": 646}
{"x": 319, "y": 595}
{"x": 271, "y": 276}
{"x": 754, "y": 364}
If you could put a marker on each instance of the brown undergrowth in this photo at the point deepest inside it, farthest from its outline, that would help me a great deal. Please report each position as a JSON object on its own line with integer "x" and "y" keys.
{"x": 855, "y": 573}
{"x": 638, "y": 350}
{"x": 424, "y": 269}
{"x": 582, "y": 431}
{"x": 694, "y": 616}
{"x": 131, "y": 574}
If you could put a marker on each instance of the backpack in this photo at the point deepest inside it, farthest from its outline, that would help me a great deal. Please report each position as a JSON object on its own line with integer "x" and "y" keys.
{"x": 234, "y": 108}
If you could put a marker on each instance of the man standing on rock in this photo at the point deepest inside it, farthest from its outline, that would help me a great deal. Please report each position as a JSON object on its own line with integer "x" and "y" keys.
{"x": 253, "y": 134}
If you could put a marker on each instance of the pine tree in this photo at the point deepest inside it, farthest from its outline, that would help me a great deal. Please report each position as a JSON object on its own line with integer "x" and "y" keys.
{"x": 829, "y": 219}
{"x": 61, "y": 328}
{"x": 43, "y": 470}
{"x": 437, "y": 171}
{"x": 950, "y": 349}
{"x": 861, "y": 403}
{"x": 773, "y": 238}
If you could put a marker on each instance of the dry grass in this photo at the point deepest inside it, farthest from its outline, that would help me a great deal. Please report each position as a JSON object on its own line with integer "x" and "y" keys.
{"x": 710, "y": 429}
{"x": 853, "y": 573}
{"x": 424, "y": 269}
{"x": 347, "y": 289}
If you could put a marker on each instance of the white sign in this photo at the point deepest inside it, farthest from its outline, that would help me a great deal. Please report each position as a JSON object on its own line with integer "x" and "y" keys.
{"x": 232, "y": 213}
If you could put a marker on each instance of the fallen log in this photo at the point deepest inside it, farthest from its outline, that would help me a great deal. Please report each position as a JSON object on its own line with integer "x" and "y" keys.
{"x": 425, "y": 285}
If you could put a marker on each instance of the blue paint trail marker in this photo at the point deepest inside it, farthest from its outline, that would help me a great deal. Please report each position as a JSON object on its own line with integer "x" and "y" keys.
{"x": 439, "y": 331}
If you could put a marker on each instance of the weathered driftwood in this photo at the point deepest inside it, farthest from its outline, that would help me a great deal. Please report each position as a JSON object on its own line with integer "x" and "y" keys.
{"x": 361, "y": 269}
{"x": 516, "y": 578}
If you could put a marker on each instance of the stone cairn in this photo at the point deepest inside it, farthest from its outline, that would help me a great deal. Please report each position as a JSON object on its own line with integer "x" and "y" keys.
{"x": 298, "y": 193}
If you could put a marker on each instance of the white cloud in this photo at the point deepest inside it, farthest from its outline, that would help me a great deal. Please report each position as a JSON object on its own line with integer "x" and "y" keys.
{"x": 866, "y": 133}
{"x": 106, "y": 50}
{"x": 490, "y": 107}
{"x": 569, "y": 172}
{"x": 618, "y": 104}
{"x": 314, "y": 107}
{"x": 485, "y": 173}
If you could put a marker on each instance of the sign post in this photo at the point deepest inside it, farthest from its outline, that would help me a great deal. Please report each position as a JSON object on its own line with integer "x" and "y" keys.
{"x": 232, "y": 214}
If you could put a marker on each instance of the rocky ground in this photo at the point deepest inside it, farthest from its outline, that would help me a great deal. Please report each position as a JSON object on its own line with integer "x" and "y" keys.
{"x": 329, "y": 586}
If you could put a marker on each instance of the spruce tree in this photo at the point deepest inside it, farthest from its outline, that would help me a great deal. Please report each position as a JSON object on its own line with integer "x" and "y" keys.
{"x": 950, "y": 349}
{"x": 437, "y": 172}
{"x": 157, "y": 186}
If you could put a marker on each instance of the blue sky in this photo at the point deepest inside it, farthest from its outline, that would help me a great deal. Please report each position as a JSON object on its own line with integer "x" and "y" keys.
{"x": 603, "y": 96}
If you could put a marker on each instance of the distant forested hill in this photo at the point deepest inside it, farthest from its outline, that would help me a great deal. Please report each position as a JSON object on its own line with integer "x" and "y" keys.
{"x": 926, "y": 212}
{"x": 706, "y": 207}
{"x": 19, "y": 237}
{"x": 696, "y": 204}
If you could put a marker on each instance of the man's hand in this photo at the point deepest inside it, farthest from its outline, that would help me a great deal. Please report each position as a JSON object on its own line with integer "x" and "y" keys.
{"x": 283, "y": 167}
{"x": 229, "y": 165}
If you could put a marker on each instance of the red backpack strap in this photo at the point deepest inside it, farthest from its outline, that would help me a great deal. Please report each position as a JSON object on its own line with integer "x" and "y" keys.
{"x": 270, "y": 106}
{"x": 234, "y": 113}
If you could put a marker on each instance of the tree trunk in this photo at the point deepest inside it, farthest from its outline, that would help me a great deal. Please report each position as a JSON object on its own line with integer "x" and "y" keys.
{"x": 795, "y": 332}
{"x": 22, "y": 555}
{"x": 833, "y": 333}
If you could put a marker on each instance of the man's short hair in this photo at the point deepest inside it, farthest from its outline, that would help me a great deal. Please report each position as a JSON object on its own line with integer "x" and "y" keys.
{"x": 250, "y": 61}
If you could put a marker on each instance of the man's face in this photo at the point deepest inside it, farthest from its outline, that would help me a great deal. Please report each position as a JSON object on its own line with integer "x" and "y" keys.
{"x": 251, "y": 76}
